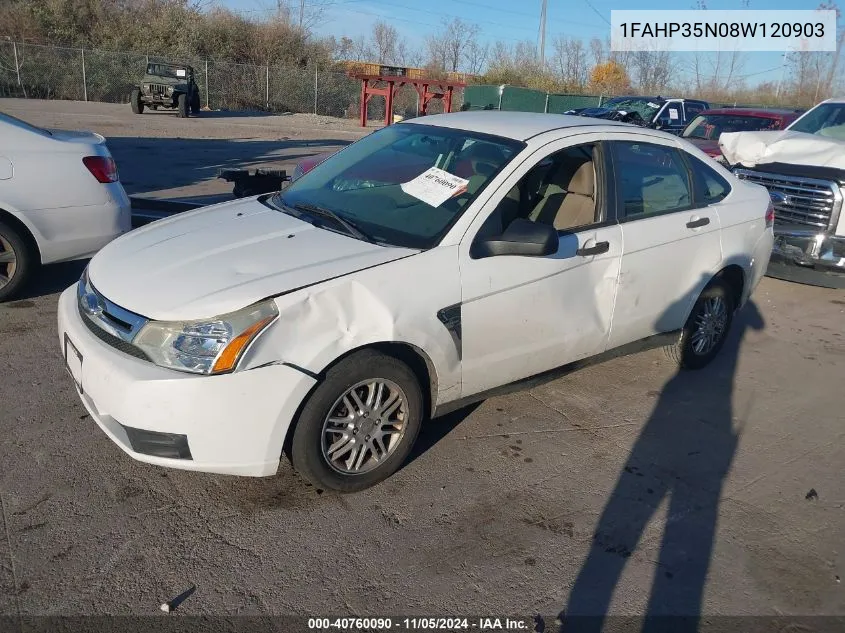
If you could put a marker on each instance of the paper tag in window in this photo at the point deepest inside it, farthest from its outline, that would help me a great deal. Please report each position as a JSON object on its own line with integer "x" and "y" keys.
{"x": 180, "y": 72}
{"x": 435, "y": 186}
{"x": 673, "y": 113}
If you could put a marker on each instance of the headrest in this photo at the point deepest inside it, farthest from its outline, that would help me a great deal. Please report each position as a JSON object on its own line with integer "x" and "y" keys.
{"x": 583, "y": 180}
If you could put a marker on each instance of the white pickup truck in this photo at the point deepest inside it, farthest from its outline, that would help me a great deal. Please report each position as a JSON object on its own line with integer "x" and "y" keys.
{"x": 803, "y": 167}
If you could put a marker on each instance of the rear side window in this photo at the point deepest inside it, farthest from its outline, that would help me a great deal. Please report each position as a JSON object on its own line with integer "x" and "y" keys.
{"x": 710, "y": 187}
{"x": 651, "y": 179}
{"x": 693, "y": 108}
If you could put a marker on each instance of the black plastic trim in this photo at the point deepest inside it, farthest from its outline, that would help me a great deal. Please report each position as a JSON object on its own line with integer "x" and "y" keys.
{"x": 658, "y": 340}
{"x": 451, "y": 318}
{"x": 801, "y": 171}
{"x": 112, "y": 341}
{"x": 155, "y": 444}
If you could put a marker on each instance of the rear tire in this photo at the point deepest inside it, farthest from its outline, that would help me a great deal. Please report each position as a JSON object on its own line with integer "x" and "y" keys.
{"x": 368, "y": 405}
{"x": 17, "y": 262}
{"x": 183, "y": 106}
{"x": 706, "y": 329}
{"x": 135, "y": 100}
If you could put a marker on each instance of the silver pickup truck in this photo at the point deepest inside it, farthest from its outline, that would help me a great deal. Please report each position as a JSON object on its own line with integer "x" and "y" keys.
{"x": 803, "y": 167}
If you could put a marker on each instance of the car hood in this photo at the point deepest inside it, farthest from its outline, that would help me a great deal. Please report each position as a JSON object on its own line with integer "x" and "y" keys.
{"x": 222, "y": 258}
{"x": 708, "y": 146}
{"x": 795, "y": 148}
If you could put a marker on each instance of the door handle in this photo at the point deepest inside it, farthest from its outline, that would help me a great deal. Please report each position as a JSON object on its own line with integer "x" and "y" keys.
{"x": 597, "y": 249}
{"x": 694, "y": 224}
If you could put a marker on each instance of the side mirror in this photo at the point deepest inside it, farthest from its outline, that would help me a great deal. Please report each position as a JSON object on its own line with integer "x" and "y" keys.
{"x": 521, "y": 237}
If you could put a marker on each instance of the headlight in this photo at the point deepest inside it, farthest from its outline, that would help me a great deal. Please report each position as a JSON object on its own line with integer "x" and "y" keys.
{"x": 209, "y": 346}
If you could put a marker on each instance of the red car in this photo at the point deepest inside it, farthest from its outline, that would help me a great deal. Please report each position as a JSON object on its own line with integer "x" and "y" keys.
{"x": 705, "y": 129}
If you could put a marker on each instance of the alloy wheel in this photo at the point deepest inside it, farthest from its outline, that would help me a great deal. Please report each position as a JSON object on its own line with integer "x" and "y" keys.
{"x": 364, "y": 426}
{"x": 8, "y": 261}
{"x": 710, "y": 324}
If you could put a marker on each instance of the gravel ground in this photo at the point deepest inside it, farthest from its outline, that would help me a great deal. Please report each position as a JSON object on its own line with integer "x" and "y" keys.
{"x": 621, "y": 487}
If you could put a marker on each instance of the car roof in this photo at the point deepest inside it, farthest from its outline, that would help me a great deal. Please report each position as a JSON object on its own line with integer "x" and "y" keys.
{"x": 519, "y": 126}
{"x": 769, "y": 114}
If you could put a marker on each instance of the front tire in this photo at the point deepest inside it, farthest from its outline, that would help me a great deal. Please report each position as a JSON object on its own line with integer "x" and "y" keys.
{"x": 135, "y": 100}
{"x": 183, "y": 106}
{"x": 359, "y": 425}
{"x": 17, "y": 262}
{"x": 706, "y": 329}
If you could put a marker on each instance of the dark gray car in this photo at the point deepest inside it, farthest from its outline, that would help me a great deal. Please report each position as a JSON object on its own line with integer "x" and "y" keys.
{"x": 169, "y": 86}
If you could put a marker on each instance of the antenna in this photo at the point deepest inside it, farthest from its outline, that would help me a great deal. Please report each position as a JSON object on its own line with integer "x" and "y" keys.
{"x": 543, "y": 34}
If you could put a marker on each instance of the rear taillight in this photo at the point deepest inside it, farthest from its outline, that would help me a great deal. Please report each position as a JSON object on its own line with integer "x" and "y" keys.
{"x": 770, "y": 215}
{"x": 103, "y": 169}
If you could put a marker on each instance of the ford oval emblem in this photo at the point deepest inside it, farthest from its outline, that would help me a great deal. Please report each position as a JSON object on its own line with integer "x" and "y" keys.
{"x": 778, "y": 198}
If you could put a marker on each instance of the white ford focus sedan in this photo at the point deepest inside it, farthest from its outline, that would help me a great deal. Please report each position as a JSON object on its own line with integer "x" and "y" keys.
{"x": 418, "y": 269}
{"x": 60, "y": 199}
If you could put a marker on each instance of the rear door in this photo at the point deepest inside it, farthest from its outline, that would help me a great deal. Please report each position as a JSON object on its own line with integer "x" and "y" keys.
{"x": 671, "y": 240}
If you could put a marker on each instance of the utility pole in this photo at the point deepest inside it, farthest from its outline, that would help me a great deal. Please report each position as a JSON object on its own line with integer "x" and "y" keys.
{"x": 543, "y": 34}
{"x": 301, "y": 13}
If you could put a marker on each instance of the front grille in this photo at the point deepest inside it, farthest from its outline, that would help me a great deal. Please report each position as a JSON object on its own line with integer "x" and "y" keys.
{"x": 113, "y": 341}
{"x": 159, "y": 90}
{"x": 809, "y": 202}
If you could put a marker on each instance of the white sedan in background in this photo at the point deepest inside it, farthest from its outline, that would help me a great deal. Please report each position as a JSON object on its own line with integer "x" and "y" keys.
{"x": 60, "y": 199}
{"x": 416, "y": 270}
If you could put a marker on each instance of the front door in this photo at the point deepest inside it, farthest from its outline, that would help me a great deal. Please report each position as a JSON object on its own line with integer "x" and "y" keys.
{"x": 525, "y": 315}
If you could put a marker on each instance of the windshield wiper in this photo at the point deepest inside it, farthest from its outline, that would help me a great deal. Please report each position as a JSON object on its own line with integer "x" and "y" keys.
{"x": 353, "y": 230}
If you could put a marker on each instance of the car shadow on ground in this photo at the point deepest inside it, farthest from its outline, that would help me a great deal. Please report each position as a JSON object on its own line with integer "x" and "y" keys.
{"x": 433, "y": 431}
{"x": 52, "y": 279}
{"x": 159, "y": 164}
{"x": 682, "y": 456}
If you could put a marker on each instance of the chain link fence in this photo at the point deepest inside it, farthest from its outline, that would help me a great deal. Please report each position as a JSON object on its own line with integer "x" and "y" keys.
{"x": 48, "y": 72}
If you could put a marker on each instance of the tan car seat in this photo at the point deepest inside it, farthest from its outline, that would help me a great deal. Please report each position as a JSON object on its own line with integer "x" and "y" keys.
{"x": 569, "y": 200}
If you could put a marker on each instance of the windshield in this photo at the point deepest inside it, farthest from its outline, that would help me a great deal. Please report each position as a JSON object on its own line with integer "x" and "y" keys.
{"x": 643, "y": 106}
{"x": 404, "y": 185}
{"x": 23, "y": 124}
{"x": 172, "y": 72}
{"x": 827, "y": 119}
{"x": 711, "y": 126}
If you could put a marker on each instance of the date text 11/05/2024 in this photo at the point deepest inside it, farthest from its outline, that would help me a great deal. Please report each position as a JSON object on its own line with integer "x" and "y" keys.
{"x": 481, "y": 624}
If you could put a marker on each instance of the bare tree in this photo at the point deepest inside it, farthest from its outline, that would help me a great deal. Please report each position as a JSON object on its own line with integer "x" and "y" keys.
{"x": 652, "y": 70}
{"x": 306, "y": 15}
{"x": 450, "y": 48}
{"x": 570, "y": 58}
{"x": 476, "y": 57}
{"x": 361, "y": 49}
{"x": 598, "y": 51}
{"x": 384, "y": 40}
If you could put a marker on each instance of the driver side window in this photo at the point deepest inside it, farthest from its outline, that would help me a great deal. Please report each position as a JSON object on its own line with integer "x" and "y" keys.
{"x": 560, "y": 191}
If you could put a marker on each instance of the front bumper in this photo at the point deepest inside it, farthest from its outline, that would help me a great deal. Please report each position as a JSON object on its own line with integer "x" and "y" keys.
{"x": 808, "y": 257}
{"x": 231, "y": 424}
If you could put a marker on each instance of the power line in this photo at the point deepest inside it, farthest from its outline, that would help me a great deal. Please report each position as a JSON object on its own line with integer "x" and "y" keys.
{"x": 597, "y": 12}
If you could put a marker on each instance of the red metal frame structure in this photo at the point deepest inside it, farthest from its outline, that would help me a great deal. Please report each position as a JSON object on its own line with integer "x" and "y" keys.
{"x": 427, "y": 89}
